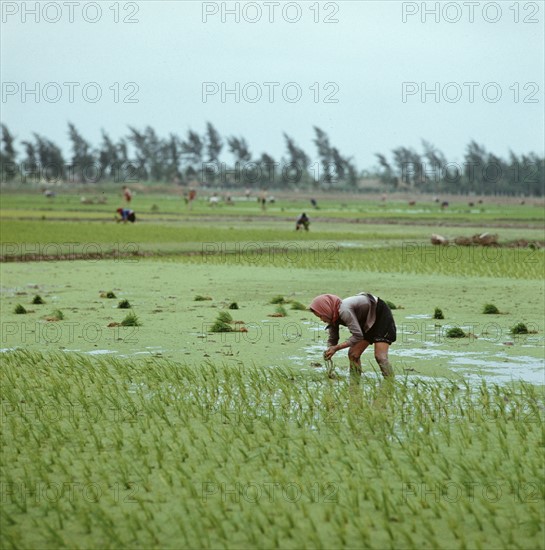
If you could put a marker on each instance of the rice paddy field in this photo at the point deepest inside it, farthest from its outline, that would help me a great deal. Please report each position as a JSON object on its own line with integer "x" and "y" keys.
{"x": 128, "y": 421}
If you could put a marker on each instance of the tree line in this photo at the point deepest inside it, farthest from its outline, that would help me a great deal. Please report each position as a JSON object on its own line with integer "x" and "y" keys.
{"x": 143, "y": 156}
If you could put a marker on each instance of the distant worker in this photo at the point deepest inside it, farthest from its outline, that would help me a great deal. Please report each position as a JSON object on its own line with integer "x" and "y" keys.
{"x": 262, "y": 199}
{"x": 314, "y": 203}
{"x": 302, "y": 222}
{"x": 191, "y": 196}
{"x": 126, "y": 215}
{"x": 127, "y": 195}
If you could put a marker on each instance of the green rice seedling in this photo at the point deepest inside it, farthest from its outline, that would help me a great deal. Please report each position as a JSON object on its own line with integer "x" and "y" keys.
{"x": 131, "y": 320}
{"x": 54, "y": 536}
{"x": 38, "y": 300}
{"x": 56, "y": 315}
{"x": 280, "y": 311}
{"x": 124, "y": 304}
{"x": 298, "y": 306}
{"x": 390, "y": 304}
{"x": 278, "y": 300}
{"x": 225, "y": 317}
{"x": 455, "y": 332}
{"x": 243, "y": 406}
{"x": 519, "y": 328}
{"x": 201, "y": 298}
{"x": 438, "y": 313}
{"x": 221, "y": 326}
{"x": 19, "y": 309}
{"x": 490, "y": 309}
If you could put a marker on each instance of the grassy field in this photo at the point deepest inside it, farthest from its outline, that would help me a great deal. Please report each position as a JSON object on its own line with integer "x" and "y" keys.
{"x": 167, "y": 435}
{"x": 348, "y": 207}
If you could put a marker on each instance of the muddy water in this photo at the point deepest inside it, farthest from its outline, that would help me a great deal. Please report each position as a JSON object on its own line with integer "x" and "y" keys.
{"x": 175, "y": 326}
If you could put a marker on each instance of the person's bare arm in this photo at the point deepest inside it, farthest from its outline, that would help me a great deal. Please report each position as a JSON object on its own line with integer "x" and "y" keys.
{"x": 354, "y": 327}
{"x": 332, "y": 350}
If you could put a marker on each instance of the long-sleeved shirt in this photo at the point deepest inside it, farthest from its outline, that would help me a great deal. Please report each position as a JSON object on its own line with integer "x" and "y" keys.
{"x": 358, "y": 314}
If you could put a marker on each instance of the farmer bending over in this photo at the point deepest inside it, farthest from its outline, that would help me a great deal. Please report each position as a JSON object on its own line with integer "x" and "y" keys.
{"x": 302, "y": 222}
{"x": 367, "y": 317}
{"x": 126, "y": 215}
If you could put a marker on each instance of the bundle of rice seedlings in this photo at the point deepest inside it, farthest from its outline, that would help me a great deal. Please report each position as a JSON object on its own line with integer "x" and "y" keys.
{"x": 280, "y": 311}
{"x": 519, "y": 328}
{"x": 56, "y": 315}
{"x": 455, "y": 332}
{"x": 221, "y": 326}
{"x": 225, "y": 317}
{"x": 224, "y": 322}
{"x": 131, "y": 320}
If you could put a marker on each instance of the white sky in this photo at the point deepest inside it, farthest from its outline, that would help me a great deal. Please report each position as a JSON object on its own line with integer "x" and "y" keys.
{"x": 170, "y": 51}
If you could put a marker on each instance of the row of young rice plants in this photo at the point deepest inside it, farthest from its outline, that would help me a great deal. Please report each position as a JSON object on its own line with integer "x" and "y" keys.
{"x": 513, "y": 263}
{"x": 158, "y": 454}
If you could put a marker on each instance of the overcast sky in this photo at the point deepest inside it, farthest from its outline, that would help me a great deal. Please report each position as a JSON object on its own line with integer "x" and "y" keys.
{"x": 356, "y": 69}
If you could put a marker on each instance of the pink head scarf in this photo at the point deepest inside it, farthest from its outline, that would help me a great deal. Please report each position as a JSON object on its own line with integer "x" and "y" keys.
{"x": 326, "y": 305}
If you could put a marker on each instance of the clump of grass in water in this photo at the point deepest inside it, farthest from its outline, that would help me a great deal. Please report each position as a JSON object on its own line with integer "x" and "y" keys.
{"x": 280, "y": 311}
{"x": 38, "y": 300}
{"x": 298, "y": 306}
{"x": 225, "y": 317}
{"x": 124, "y": 304}
{"x": 490, "y": 309}
{"x": 455, "y": 332}
{"x": 438, "y": 313}
{"x": 201, "y": 298}
{"x": 278, "y": 300}
{"x": 108, "y": 294}
{"x": 233, "y": 305}
{"x": 131, "y": 320}
{"x": 222, "y": 322}
{"x": 519, "y": 328}
{"x": 56, "y": 315}
{"x": 221, "y": 326}
{"x": 19, "y": 309}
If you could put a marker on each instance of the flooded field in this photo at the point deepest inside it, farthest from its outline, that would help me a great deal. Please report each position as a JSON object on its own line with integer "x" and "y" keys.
{"x": 122, "y": 410}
